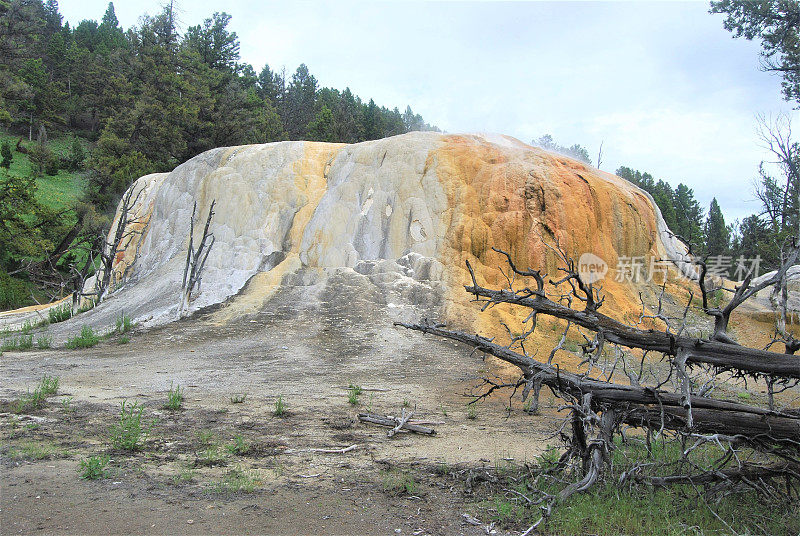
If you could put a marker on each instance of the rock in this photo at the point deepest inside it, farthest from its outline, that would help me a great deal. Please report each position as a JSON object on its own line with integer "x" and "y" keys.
{"x": 391, "y": 220}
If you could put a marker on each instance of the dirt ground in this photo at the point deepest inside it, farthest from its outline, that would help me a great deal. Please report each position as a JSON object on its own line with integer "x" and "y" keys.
{"x": 184, "y": 480}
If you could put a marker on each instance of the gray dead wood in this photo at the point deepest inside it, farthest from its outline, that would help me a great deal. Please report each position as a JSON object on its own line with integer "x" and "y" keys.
{"x": 393, "y": 422}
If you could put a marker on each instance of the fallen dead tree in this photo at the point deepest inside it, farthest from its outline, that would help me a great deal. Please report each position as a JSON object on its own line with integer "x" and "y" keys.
{"x": 607, "y": 393}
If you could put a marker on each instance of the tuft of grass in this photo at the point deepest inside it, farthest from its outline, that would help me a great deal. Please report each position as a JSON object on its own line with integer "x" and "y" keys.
{"x": 44, "y": 341}
{"x": 239, "y": 446}
{"x": 49, "y": 385}
{"x": 31, "y": 401}
{"x": 472, "y": 412}
{"x": 124, "y": 340}
{"x": 26, "y": 342}
{"x": 60, "y": 313}
{"x": 174, "y": 398}
{"x": 186, "y": 475}
{"x": 211, "y": 456}
{"x": 36, "y": 400}
{"x": 235, "y": 479}
{"x": 353, "y": 392}
{"x": 398, "y": 482}
{"x": 744, "y": 395}
{"x": 238, "y": 399}
{"x": 35, "y": 450}
{"x": 205, "y": 437}
{"x": 94, "y": 467}
{"x": 442, "y": 469}
{"x": 130, "y": 433}
{"x": 86, "y": 339}
{"x": 123, "y": 323}
{"x": 280, "y": 407}
{"x": 67, "y": 406}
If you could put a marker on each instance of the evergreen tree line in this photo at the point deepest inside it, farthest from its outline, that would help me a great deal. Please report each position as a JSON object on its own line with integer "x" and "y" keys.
{"x": 152, "y": 96}
{"x": 757, "y": 235}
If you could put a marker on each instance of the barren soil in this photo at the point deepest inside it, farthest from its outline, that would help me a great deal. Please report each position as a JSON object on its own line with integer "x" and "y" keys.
{"x": 180, "y": 482}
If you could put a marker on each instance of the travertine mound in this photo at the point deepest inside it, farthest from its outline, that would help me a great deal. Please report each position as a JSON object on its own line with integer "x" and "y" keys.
{"x": 403, "y": 212}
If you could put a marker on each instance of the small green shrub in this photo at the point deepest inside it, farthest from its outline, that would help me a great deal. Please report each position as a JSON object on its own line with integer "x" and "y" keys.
{"x": 174, "y": 398}
{"x": 130, "y": 434}
{"x": 44, "y": 341}
{"x": 60, "y": 313}
{"x": 86, "y": 339}
{"x": 6, "y": 154}
{"x": 353, "y": 392}
{"x": 124, "y": 340}
{"x": 77, "y": 155}
{"x": 238, "y": 399}
{"x": 66, "y": 405}
{"x": 94, "y": 467}
{"x": 472, "y": 412}
{"x": 13, "y": 292}
{"x": 280, "y": 407}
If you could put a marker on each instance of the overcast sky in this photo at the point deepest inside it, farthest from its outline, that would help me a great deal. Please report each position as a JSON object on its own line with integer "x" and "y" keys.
{"x": 661, "y": 84}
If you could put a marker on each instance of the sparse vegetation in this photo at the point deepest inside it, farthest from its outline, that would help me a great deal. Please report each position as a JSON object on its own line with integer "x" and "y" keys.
{"x": 49, "y": 385}
{"x": 239, "y": 446}
{"x": 94, "y": 467}
{"x": 87, "y": 305}
{"x": 44, "y": 341}
{"x": 124, "y": 340}
{"x": 174, "y": 398}
{"x": 36, "y": 400}
{"x": 211, "y": 456}
{"x": 235, "y": 479}
{"x": 124, "y": 324}
{"x": 86, "y": 339}
{"x": 353, "y": 392}
{"x": 22, "y": 342}
{"x": 238, "y": 399}
{"x": 67, "y": 406}
{"x": 60, "y": 313}
{"x": 130, "y": 433}
{"x": 185, "y": 475}
{"x": 205, "y": 437}
{"x": 610, "y": 509}
{"x": 472, "y": 412}
{"x": 280, "y": 407}
{"x": 398, "y": 482}
{"x": 35, "y": 450}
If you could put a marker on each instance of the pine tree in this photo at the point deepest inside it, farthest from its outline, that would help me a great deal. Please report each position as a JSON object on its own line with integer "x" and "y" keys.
{"x": 717, "y": 233}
